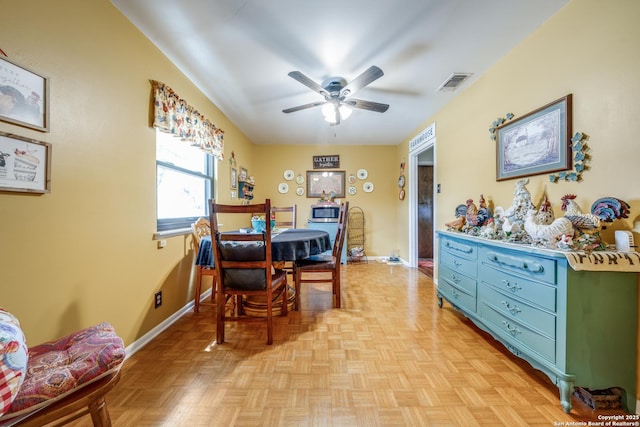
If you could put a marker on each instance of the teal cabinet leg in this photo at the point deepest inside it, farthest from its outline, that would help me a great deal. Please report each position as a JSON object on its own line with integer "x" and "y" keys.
{"x": 566, "y": 389}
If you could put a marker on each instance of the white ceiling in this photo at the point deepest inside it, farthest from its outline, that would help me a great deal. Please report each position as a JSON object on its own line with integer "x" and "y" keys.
{"x": 239, "y": 52}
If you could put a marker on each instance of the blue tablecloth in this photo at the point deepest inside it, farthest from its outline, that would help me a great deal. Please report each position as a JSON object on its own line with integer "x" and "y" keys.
{"x": 290, "y": 245}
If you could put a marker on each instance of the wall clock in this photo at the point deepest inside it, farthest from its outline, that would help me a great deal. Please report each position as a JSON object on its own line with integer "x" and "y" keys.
{"x": 283, "y": 187}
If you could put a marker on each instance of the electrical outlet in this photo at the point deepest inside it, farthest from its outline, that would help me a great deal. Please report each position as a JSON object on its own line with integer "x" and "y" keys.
{"x": 162, "y": 244}
{"x": 158, "y": 300}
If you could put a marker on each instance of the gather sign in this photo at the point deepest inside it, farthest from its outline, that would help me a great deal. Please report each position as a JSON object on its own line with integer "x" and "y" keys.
{"x": 326, "y": 162}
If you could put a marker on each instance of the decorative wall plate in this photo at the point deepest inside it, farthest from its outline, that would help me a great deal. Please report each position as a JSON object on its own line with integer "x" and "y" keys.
{"x": 352, "y": 190}
{"x": 351, "y": 179}
{"x": 288, "y": 174}
{"x": 401, "y": 195}
{"x": 283, "y": 187}
{"x": 401, "y": 181}
{"x": 300, "y": 191}
{"x": 362, "y": 174}
{"x": 300, "y": 179}
{"x": 367, "y": 187}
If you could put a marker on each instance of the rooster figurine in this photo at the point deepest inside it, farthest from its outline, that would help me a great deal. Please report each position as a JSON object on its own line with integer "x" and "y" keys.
{"x": 606, "y": 209}
{"x": 545, "y": 215}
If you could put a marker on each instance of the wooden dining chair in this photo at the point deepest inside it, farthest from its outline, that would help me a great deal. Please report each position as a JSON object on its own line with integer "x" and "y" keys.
{"x": 306, "y": 269}
{"x": 290, "y": 221}
{"x": 199, "y": 229}
{"x": 245, "y": 270}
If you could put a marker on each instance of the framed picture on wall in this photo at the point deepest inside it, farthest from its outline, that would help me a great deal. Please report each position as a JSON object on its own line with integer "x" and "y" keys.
{"x": 325, "y": 183}
{"x": 536, "y": 143}
{"x": 25, "y": 164}
{"x": 234, "y": 178}
{"x": 243, "y": 175}
{"x": 24, "y": 96}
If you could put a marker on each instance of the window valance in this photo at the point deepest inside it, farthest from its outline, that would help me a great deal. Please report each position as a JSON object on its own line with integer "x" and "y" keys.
{"x": 173, "y": 115}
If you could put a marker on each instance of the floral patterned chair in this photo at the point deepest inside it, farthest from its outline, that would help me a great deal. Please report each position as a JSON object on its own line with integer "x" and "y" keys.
{"x": 59, "y": 380}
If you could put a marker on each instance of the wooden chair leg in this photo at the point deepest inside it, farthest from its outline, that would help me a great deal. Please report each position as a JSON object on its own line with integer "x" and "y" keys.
{"x": 336, "y": 287}
{"x": 99, "y": 413}
{"x": 196, "y": 302}
{"x": 221, "y": 300}
{"x": 296, "y": 282}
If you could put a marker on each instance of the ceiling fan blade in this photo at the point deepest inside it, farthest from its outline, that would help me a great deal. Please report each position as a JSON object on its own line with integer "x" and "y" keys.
{"x": 304, "y": 107}
{"x": 366, "y": 105}
{"x": 369, "y": 75}
{"x": 297, "y": 75}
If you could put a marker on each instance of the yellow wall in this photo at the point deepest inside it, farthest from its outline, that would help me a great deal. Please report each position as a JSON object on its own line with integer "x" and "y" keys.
{"x": 590, "y": 49}
{"x": 84, "y": 253}
{"x": 379, "y": 206}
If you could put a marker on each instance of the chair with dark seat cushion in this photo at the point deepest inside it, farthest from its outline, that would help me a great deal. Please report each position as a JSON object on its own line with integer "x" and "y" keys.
{"x": 245, "y": 270}
{"x": 306, "y": 269}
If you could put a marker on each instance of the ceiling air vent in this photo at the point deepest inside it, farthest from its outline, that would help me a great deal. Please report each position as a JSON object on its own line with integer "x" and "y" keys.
{"x": 453, "y": 81}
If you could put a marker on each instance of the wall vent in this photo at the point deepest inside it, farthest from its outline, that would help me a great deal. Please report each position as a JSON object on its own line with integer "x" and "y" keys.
{"x": 453, "y": 81}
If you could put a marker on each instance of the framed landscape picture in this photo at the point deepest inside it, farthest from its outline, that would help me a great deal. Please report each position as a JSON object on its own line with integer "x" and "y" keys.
{"x": 536, "y": 143}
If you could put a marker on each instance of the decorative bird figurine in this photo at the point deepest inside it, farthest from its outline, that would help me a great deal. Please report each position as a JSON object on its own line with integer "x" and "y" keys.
{"x": 484, "y": 213}
{"x": 606, "y": 209}
{"x": 545, "y": 215}
{"x": 456, "y": 224}
{"x": 471, "y": 214}
{"x": 546, "y": 234}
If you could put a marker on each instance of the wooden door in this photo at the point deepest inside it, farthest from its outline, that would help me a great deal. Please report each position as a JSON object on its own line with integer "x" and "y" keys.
{"x": 425, "y": 212}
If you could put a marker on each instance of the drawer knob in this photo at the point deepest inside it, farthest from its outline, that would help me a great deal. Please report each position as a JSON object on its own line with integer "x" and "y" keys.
{"x": 512, "y": 329}
{"x": 512, "y": 287}
{"x": 514, "y": 310}
{"x": 455, "y": 278}
{"x": 456, "y": 294}
{"x": 457, "y": 263}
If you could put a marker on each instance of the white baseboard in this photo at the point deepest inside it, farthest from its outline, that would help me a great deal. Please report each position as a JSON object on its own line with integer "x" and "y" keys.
{"x": 132, "y": 348}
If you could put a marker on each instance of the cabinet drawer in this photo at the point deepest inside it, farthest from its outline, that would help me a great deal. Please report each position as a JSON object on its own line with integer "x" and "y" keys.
{"x": 530, "y": 266}
{"x": 462, "y": 265}
{"x": 457, "y": 296}
{"x": 459, "y": 248}
{"x": 536, "y": 293}
{"x": 468, "y": 284}
{"x": 518, "y": 334}
{"x": 533, "y": 317}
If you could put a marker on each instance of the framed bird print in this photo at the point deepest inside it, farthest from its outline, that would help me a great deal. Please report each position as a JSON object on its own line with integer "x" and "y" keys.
{"x": 536, "y": 143}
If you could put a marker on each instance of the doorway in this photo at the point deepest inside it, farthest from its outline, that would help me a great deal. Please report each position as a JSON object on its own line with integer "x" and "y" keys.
{"x": 422, "y": 176}
{"x": 425, "y": 219}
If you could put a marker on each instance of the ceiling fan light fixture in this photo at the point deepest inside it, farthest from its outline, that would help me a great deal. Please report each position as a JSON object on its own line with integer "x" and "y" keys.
{"x": 329, "y": 113}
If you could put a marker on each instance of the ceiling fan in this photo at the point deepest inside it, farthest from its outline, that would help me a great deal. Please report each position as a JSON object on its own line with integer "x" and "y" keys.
{"x": 337, "y": 94}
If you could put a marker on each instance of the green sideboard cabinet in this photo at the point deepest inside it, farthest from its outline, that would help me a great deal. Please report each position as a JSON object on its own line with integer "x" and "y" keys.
{"x": 578, "y": 327}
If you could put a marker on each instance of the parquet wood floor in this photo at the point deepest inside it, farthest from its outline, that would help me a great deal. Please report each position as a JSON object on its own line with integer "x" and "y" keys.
{"x": 389, "y": 357}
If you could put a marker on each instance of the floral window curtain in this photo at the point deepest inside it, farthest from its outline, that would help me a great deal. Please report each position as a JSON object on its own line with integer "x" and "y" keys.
{"x": 173, "y": 115}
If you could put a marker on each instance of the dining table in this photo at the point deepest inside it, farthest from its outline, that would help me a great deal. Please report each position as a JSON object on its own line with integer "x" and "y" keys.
{"x": 287, "y": 245}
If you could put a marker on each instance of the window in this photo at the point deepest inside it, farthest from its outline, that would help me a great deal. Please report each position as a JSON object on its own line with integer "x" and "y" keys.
{"x": 184, "y": 182}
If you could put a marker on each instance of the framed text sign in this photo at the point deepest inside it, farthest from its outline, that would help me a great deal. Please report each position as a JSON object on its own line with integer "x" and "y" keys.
{"x": 326, "y": 162}
{"x": 24, "y": 96}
